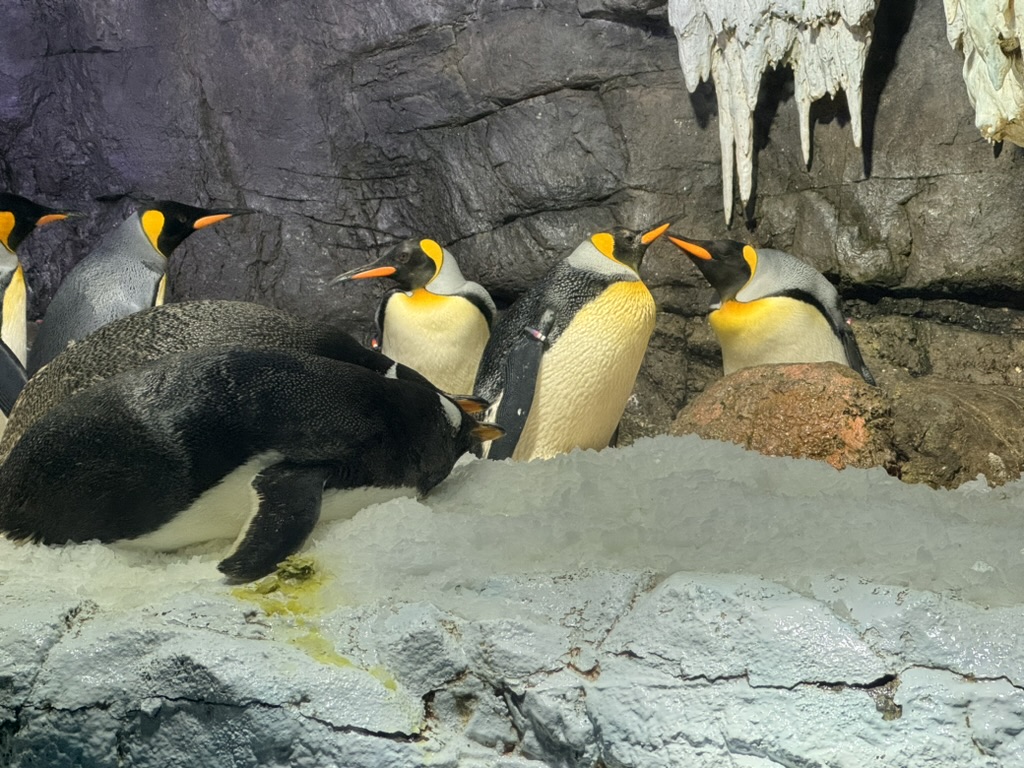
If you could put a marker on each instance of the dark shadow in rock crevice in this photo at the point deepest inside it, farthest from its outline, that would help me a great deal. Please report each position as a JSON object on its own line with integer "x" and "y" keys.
{"x": 892, "y": 21}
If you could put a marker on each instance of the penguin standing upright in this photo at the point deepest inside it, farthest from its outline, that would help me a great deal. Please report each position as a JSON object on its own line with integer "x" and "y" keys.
{"x": 177, "y": 451}
{"x": 772, "y": 307}
{"x": 19, "y": 216}
{"x": 126, "y": 272}
{"x": 563, "y": 359}
{"x": 436, "y": 322}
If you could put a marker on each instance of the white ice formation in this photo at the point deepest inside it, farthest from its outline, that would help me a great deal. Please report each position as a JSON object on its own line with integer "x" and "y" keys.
{"x": 735, "y": 41}
{"x": 988, "y": 34}
{"x": 680, "y": 602}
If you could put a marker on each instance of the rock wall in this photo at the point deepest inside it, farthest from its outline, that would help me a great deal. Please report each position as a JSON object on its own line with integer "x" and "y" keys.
{"x": 510, "y": 130}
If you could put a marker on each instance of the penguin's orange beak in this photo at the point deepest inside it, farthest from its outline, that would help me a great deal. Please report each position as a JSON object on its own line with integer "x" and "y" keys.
{"x": 361, "y": 273}
{"x": 206, "y": 221}
{"x": 691, "y": 248}
{"x": 649, "y": 237}
{"x": 471, "y": 404}
{"x": 51, "y": 217}
{"x": 215, "y": 216}
{"x": 484, "y": 431}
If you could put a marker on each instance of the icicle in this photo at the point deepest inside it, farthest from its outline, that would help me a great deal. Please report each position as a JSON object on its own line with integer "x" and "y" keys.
{"x": 988, "y": 32}
{"x": 735, "y": 41}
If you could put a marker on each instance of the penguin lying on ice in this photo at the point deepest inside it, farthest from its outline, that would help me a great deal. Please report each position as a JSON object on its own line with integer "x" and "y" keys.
{"x": 436, "y": 321}
{"x": 169, "y": 454}
{"x": 145, "y": 336}
{"x": 562, "y": 361}
{"x": 772, "y": 307}
{"x": 127, "y": 272}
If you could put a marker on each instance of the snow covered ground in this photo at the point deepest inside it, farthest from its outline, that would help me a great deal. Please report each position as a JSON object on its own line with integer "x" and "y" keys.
{"x": 678, "y": 602}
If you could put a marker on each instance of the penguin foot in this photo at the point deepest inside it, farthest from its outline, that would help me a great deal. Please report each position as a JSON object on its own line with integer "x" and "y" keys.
{"x": 289, "y": 506}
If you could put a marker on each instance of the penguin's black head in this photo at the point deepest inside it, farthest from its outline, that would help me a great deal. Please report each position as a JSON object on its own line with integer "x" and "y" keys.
{"x": 411, "y": 263}
{"x": 466, "y": 433}
{"x": 626, "y": 246}
{"x": 19, "y": 216}
{"x": 167, "y": 223}
{"x": 727, "y": 264}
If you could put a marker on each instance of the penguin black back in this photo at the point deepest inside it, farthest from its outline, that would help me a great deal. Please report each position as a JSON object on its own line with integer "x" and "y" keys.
{"x": 125, "y": 457}
{"x": 172, "y": 328}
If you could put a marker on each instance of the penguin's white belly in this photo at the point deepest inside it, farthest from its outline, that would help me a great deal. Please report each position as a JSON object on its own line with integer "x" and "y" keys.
{"x": 774, "y": 330}
{"x": 219, "y": 513}
{"x": 225, "y": 510}
{"x": 441, "y": 337}
{"x": 588, "y": 374}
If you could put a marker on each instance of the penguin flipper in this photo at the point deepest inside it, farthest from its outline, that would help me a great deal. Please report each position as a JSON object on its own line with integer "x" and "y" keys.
{"x": 520, "y": 376}
{"x": 289, "y": 498}
{"x": 12, "y": 378}
{"x": 854, "y": 356}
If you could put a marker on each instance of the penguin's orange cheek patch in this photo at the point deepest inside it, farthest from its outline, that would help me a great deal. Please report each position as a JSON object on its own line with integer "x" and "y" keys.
{"x": 6, "y": 227}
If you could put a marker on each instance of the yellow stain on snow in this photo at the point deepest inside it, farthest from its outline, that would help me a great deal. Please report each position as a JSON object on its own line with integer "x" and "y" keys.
{"x": 293, "y": 595}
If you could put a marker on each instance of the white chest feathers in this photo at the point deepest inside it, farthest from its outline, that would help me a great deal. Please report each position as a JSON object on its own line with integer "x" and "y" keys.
{"x": 441, "y": 337}
{"x": 226, "y": 510}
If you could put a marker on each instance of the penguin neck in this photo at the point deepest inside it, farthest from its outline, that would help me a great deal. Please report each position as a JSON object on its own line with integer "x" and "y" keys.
{"x": 130, "y": 238}
{"x": 587, "y": 258}
{"x": 448, "y": 281}
{"x": 775, "y": 329}
{"x": 8, "y": 261}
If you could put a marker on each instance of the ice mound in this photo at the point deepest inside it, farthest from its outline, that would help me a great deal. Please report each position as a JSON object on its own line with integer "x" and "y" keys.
{"x": 665, "y": 504}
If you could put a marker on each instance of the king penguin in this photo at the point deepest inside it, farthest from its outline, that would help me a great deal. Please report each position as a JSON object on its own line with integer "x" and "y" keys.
{"x": 228, "y": 443}
{"x": 126, "y": 272}
{"x": 435, "y": 321}
{"x": 772, "y": 307}
{"x": 19, "y": 216}
{"x": 563, "y": 359}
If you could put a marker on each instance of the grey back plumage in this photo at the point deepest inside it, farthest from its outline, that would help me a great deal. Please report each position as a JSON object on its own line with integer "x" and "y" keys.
{"x": 779, "y": 272}
{"x": 782, "y": 274}
{"x": 119, "y": 277}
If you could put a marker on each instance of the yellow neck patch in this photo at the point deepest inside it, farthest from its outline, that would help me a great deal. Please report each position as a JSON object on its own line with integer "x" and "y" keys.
{"x": 737, "y": 317}
{"x": 435, "y": 252}
{"x": 153, "y": 225}
{"x": 421, "y": 298}
{"x": 6, "y": 227}
{"x": 750, "y": 256}
{"x": 605, "y": 243}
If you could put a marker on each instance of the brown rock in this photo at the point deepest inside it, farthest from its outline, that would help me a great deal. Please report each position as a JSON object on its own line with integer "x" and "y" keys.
{"x": 947, "y": 432}
{"x": 820, "y": 411}
{"x": 924, "y": 430}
